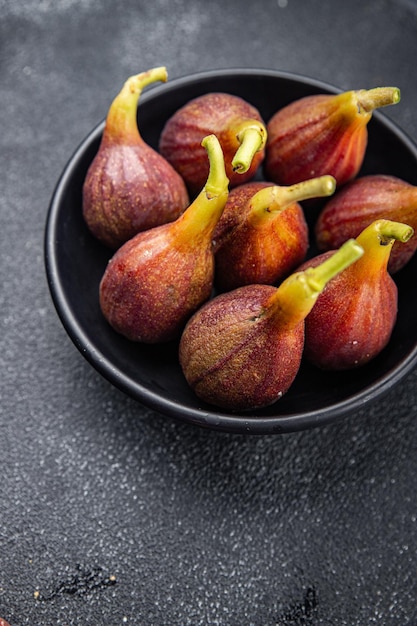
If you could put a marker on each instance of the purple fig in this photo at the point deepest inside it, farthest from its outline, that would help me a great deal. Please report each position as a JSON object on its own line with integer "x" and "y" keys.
{"x": 262, "y": 234}
{"x": 129, "y": 187}
{"x": 361, "y": 202}
{"x": 353, "y": 318}
{"x": 157, "y": 279}
{"x": 236, "y": 123}
{"x": 242, "y": 350}
{"x": 322, "y": 134}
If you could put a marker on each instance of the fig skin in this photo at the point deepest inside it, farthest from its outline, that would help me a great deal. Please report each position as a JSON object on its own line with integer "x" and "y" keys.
{"x": 137, "y": 299}
{"x": 242, "y": 350}
{"x": 262, "y": 234}
{"x": 322, "y": 134}
{"x": 156, "y": 280}
{"x": 224, "y": 115}
{"x": 362, "y": 201}
{"x": 354, "y": 316}
{"x": 257, "y": 256}
{"x": 129, "y": 187}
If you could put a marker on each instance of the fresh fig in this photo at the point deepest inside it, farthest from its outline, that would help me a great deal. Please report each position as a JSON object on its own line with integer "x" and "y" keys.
{"x": 361, "y": 202}
{"x": 353, "y": 318}
{"x": 129, "y": 187}
{"x": 322, "y": 134}
{"x": 242, "y": 350}
{"x": 237, "y": 124}
{"x": 262, "y": 234}
{"x": 157, "y": 279}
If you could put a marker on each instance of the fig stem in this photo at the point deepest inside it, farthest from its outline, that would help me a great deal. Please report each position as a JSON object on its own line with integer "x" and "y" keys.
{"x": 274, "y": 199}
{"x": 202, "y": 215}
{"x": 318, "y": 277}
{"x": 295, "y": 297}
{"x": 377, "y": 240}
{"x": 217, "y": 179}
{"x": 386, "y": 231}
{"x": 252, "y": 138}
{"x": 370, "y": 99}
{"x": 121, "y": 122}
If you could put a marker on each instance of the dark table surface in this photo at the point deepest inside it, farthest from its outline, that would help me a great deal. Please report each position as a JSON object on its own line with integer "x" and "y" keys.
{"x": 111, "y": 513}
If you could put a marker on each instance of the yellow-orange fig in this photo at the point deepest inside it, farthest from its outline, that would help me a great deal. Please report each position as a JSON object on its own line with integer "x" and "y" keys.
{"x": 322, "y": 134}
{"x": 262, "y": 234}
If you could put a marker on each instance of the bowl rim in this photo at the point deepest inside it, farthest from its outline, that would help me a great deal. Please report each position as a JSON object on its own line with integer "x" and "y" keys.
{"x": 216, "y": 420}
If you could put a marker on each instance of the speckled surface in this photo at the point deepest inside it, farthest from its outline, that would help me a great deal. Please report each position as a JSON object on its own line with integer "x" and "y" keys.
{"x": 110, "y": 513}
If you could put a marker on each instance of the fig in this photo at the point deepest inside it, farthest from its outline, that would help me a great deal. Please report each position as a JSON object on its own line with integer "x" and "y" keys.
{"x": 237, "y": 124}
{"x": 322, "y": 134}
{"x": 262, "y": 234}
{"x": 129, "y": 187}
{"x": 353, "y": 318}
{"x": 157, "y": 279}
{"x": 242, "y": 349}
{"x": 362, "y": 201}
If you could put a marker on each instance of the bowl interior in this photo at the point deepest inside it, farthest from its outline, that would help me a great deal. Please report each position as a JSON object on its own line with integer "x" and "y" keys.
{"x": 75, "y": 263}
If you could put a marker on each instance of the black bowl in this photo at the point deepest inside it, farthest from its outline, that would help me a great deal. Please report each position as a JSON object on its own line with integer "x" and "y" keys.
{"x": 75, "y": 263}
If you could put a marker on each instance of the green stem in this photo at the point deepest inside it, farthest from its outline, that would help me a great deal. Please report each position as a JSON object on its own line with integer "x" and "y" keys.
{"x": 204, "y": 212}
{"x": 121, "y": 123}
{"x": 377, "y": 240}
{"x": 252, "y": 138}
{"x": 217, "y": 180}
{"x": 385, "y": 231}
{"x": 370, "y": 99}
{"x": 295, "y": 297}
{"x": 318, "y": 277}
{"x": 273, "y": 199}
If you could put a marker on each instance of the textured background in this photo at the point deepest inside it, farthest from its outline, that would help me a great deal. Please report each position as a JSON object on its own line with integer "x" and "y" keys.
{"x": 110, "y": 513}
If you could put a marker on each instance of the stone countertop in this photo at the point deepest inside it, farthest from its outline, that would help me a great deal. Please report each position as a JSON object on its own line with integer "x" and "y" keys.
{"x": 111, "y": 513}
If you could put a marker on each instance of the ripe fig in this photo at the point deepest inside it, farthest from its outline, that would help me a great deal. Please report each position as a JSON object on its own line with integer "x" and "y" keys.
{"x": 322, "y": 134}
{"x": 129, "y": 187}
{"x": 262, "y": 234}
{"x": 237, "y": 124}
{"x": 355, "y": 314}
{"x": 242, "y": 350}
{"x": 157, "y": 279}
{"x": 362, "y": 201}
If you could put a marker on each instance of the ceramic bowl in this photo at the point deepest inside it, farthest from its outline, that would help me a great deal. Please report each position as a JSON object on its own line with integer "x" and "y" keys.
{"x": 75, "y": 263}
